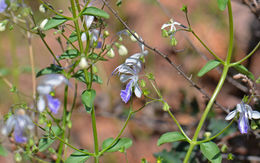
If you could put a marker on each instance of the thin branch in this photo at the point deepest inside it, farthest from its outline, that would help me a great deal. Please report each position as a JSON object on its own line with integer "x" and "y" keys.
{"x": 163, "y": 55}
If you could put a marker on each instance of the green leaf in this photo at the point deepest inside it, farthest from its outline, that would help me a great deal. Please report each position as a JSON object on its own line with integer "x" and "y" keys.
{"x": 46, "y": 141}
{"x": 3, "y": 151}
{"x": 88, "y": 97}
{"x": 222, "y": 4}
{"x": 52, "y": 69}
{"x": 258, "y": 80}
{"x": 170, "y": 137}
{"x": 209, "y": 66}
{"x": 243, "y": 70}
{"x": 211, "y": 151}
{"x": 94, "y": 56}
{"x": 69, "y": 54}
{"x": 81, "y": 77}
{"x": 54, "y": 22}
{"x": 95, "y": 12}
{"x": 73, "y": 37}
{"x": 78, "y": 157}
{"x": 121, "y": 144}
{"x": 119, "y": 3}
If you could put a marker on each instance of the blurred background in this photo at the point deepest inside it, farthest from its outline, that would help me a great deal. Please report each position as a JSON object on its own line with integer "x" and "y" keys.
{"x": 146, "y": 18}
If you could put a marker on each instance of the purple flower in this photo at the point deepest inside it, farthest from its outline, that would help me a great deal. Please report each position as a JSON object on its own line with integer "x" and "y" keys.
{"x": 20, "y": 122}
{"x": 3, "y": 6}
{"x": 245, "y": 112}
{"x": 46, "y": 86}
{"x": 128, "y": 72}
{"x": 53, "y": 104}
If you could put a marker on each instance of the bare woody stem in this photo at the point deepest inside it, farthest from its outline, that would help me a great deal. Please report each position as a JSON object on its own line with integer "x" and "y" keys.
{"x": 186, "y": 77}
{"x": 29, "y": 36}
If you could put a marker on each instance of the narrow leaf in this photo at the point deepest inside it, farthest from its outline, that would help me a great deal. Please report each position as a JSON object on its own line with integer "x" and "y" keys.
{"x": 69, "y": 54}
{"x": 46, "y": 141}
{"x": 209, "y": 66}
{"x": 243, "y": 70}
{"x": 258, "y": 80}
{"x": 77, "y": 157}
{"x": 54, "y": 22}
{"x": 88, "y": 97}
{"x": 170, "y": 137}
{"x": 222, "y": 4}
{"x": 3, "y": 151}
{"x": 211, "y": 151}
{"x": 52, "y": 69}
{"x": 95, "y": 12}
{"x": 121, "y": 144}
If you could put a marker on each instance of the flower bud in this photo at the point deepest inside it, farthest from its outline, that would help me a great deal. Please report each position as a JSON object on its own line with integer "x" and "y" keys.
{"x": 17, "y": 157}
{"x": 3, "y": 25}
{"x": 94, "y": 69}
{"x": 122, "y": 50}
{"x": 133, "y": 38}
{"x": 173, "y": 41}
{"x": 166, "y": 107}
{"x": 26, "y": 11}
{"x": 142, "y": 83}
{"x": 230, "y": 156}
{"x": 42, "y": 8}
{"x": 43, "y": 23}
{"x": 83, "y": 63}
{"x": 224, "y": 148}
{"x": 106, "y": 34}
{"x": 207, "y": 135}
{"x": 164, "y": 33}
{"x": 111, "y": 53}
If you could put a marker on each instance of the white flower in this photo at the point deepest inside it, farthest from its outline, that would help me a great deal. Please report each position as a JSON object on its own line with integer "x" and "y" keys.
{"x": 245, "y": 112}
{"x": 171, "y": 24}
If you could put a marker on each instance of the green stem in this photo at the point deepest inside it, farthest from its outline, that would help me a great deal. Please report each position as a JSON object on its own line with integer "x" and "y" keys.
{"x": 48, "y": 47}
{"x": 246, "y": 57}
{"x": 219, "y": 86}
{"x": 120, "y": 133}
{"x": 231, "y": 33}
{"x": 55, "y": 12}
{"x": 76, "y": 23}
{"x": 179, "y": 126}
{"x": 72, "y": 147}
{"x": 221, "y": 132}
{"x": 205, "y": 46}
{"x": 64, "y": 123}
{"x": 174, "y": 119}
{"x": 94, "y": 128}
{"x": 204, "y": 116}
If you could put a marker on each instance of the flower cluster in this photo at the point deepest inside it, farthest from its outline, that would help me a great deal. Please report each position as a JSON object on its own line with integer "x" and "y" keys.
{"x": 128, "y": 72}
{"x": 245, "y": 112}
{"x": 21, "y": 123}
{"x": 171, "y": 31}
{"x": 46, "y": 86}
